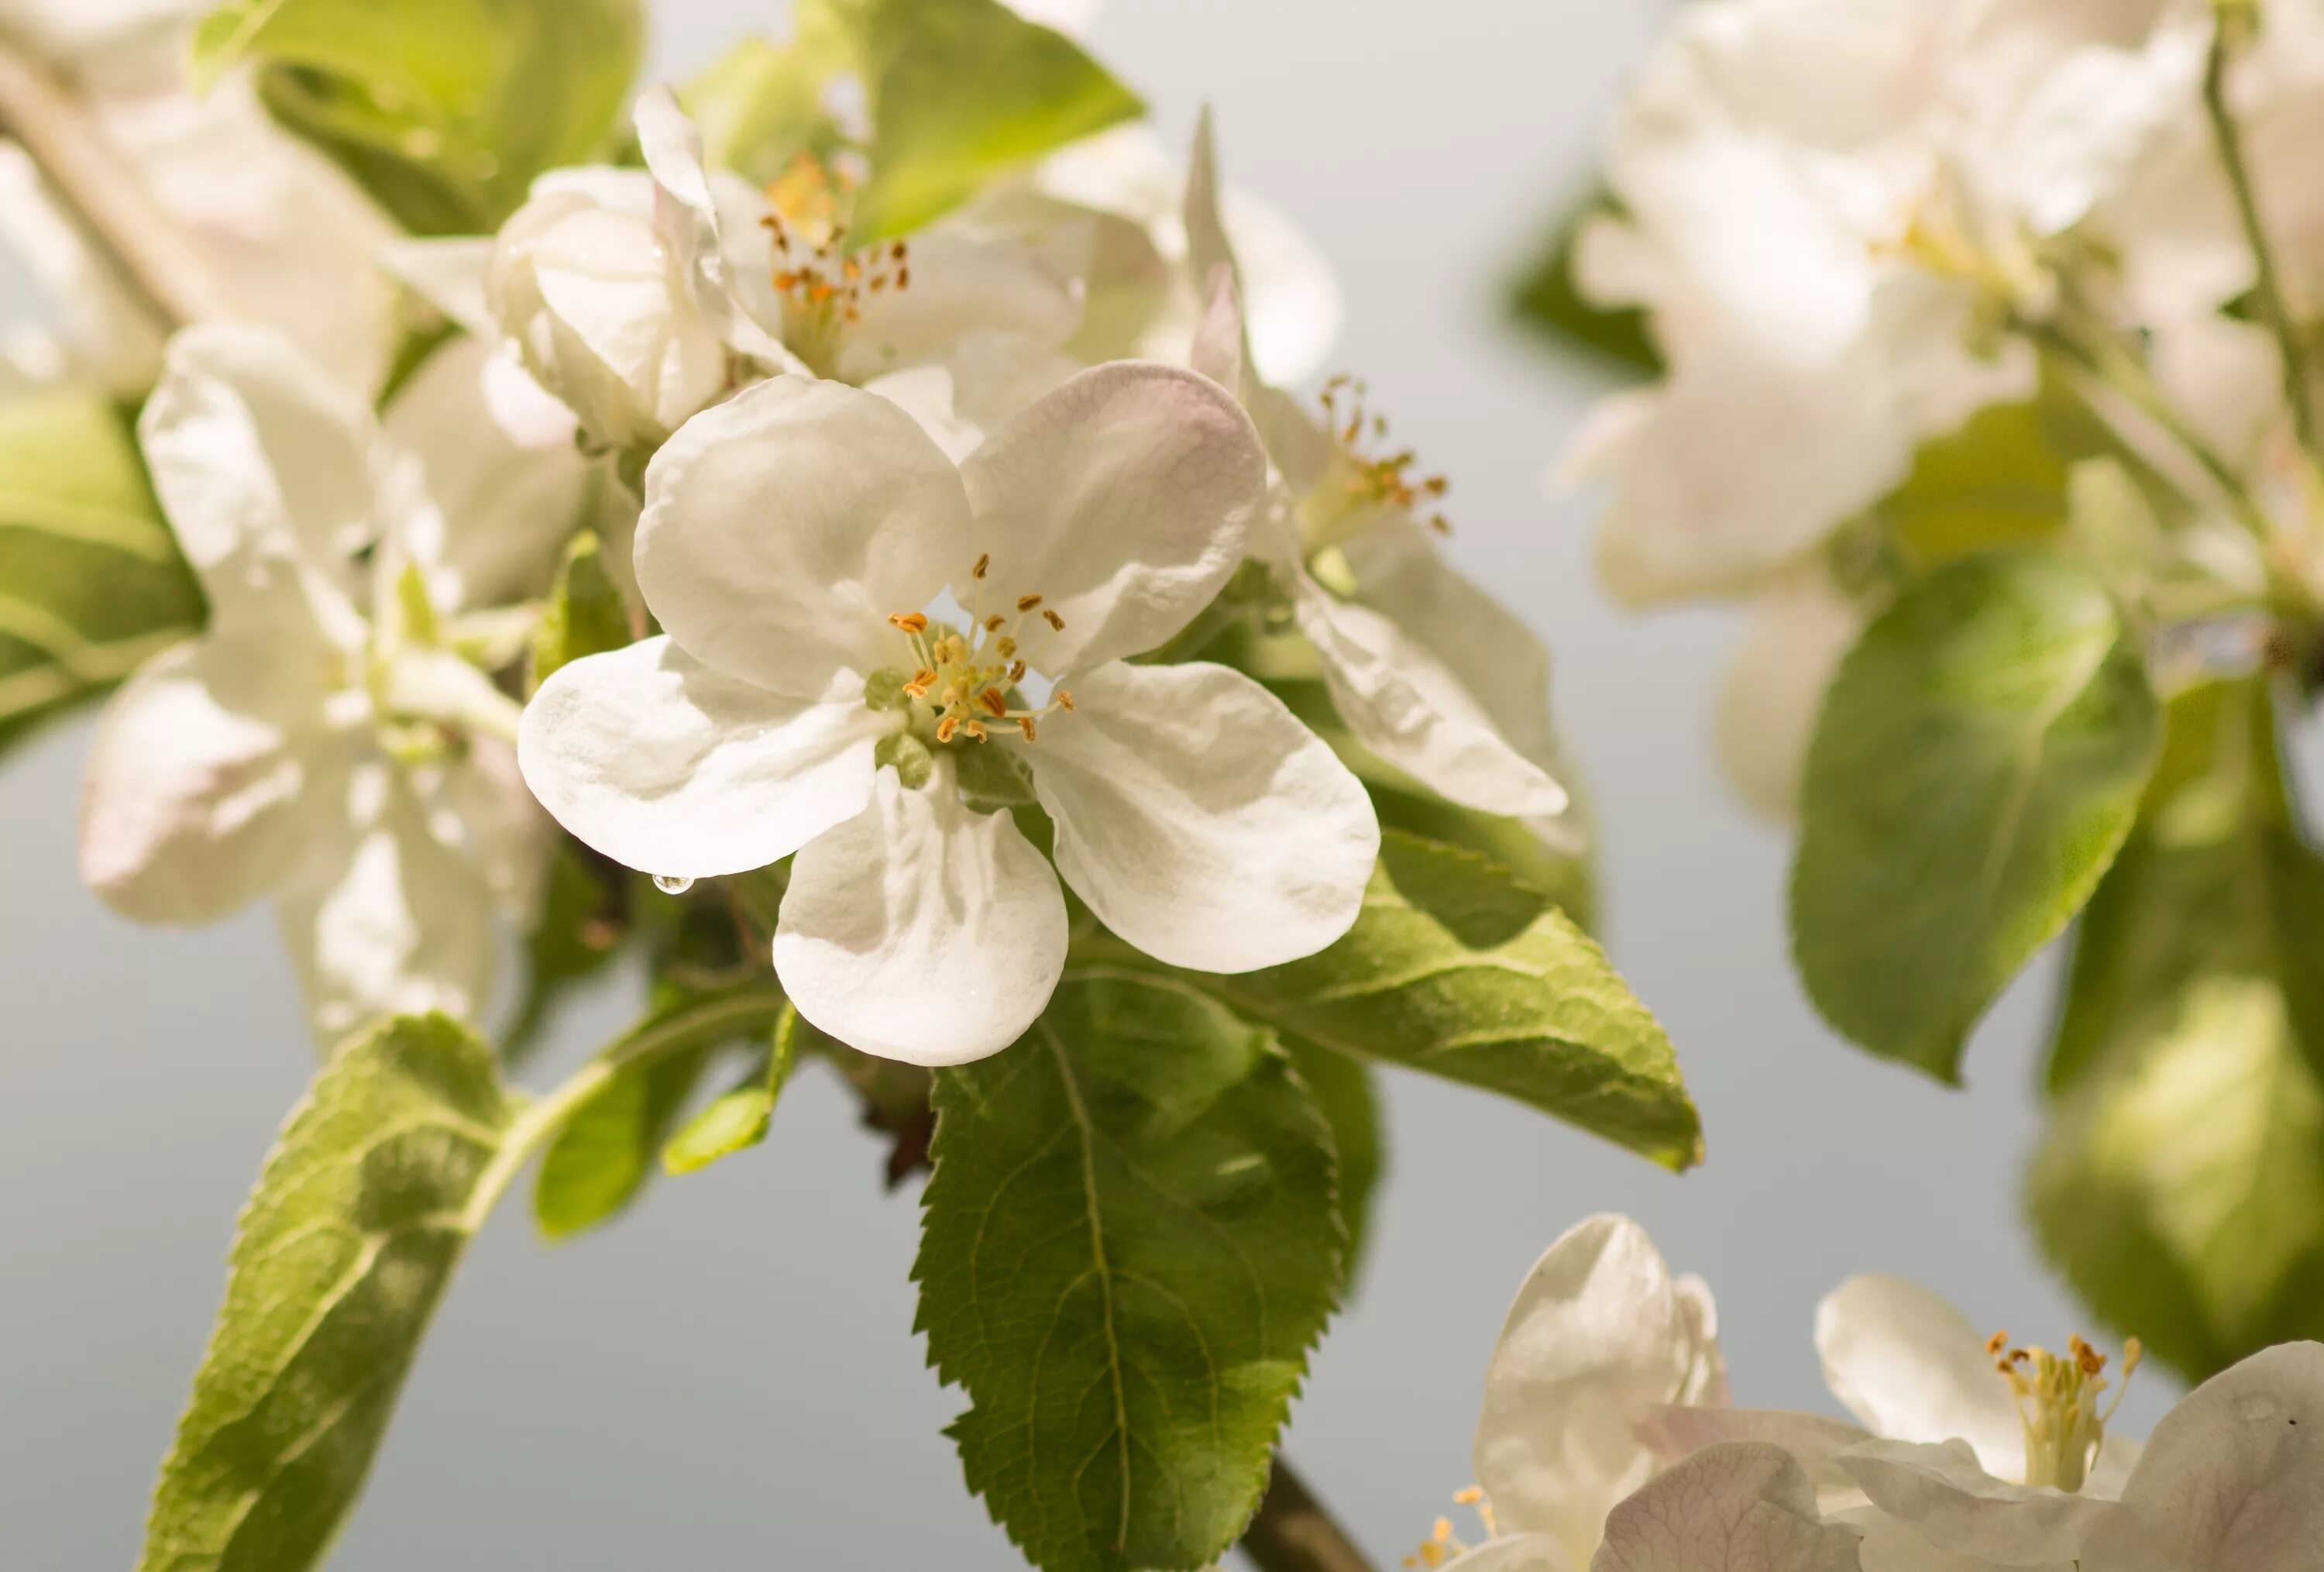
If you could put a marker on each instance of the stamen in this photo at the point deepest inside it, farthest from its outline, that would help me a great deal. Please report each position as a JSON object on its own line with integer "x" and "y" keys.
{"x": 1026, "y": 728}
{"x": 992, "y": 700}
{"x": 946, "y": 727}
{"x": 982, "y": 563}
{"x": 1065, "y": 700}
{"x": 1026, "y": 603}
{"x": 911, "y": 622}
{"x": 1053, "y": 619}
{"x": 995, "y": 623}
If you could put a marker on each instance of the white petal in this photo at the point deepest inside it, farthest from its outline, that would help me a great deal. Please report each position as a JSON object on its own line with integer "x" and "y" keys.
{"x": 1801, "y": 626}
{"x": 1739, "y": 1507}
{"x": 1596, "y": 1341}
{"x": 1513, "y": 1553}
{"x": 1125, "y": 499}
{"x": 1403, "y": 704}
{"x": 269, "y": 475}
{"x": 500, "y": 512}
{"x": 961, "y": 286}
{"x": 782, "y": 528}
{"x": 192, "y": 802}
{"x": 385, "y": 919}
{"x": 1675, "y": 1432}
{"x": 1200, "y": 820}
{"x": 671, "y": 767}
{"x": 500, "y": 822}
{"x": 1912, "y": 1368}
{"x": 919, "y": 930}
{"x": 104, "y": 334}
{"x": 449, "y": 276}
{"x": 2233, "y": 1478}
{"x": 1958, "y": 1506}
{"x": 1217, "y": 349}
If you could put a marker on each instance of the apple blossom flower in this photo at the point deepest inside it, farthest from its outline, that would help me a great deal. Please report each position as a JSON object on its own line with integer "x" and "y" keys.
{"x": 328, "y": 741}
{"x": 273, "y": 231}
{"x": 813, "y": 694}
{"x": 1824, "y": 271}
{"x": 1427, "y": 670}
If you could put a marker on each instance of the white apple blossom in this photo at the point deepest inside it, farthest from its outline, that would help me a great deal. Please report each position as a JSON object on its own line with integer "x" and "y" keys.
{"x": 808, "y": 697}
{"x": 326, "y": 740}
{"x": 1828, "y": 209}
{"x": 1427, "y": 670}
{"x": 1801, "y": 625}
{"x": 272, "y": 231}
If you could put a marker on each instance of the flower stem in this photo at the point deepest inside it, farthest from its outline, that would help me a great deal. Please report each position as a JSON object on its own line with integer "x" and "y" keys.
{"x": 106, "y": 198}
{"x": 1293, "y": 1533}
{"x": 2269, "y": 288}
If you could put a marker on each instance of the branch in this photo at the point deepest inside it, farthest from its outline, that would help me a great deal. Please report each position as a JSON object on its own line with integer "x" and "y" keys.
{"x": 106, "y": 198}
{"x": 1293, "y": 1533}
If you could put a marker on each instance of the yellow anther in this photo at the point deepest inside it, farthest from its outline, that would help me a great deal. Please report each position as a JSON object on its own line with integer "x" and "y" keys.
{"x": 1027, "y": 602}
{"x": 975, "y": 730}
{"x": 1054, "y": 620}
{"x": 1469, "y": 1497}
{"x": 1026, "y": 728}
{"x": 1017, "y": 672}
{"x": 995, "y": 623}
{"x": 993, "y": 702}
{"x": 982, "y": 563}
{"x": 1005, "y": 647}
{"x": 946, "y": 727}
{"x": 1065, "y": 700}
{"x": 911, "y": 622}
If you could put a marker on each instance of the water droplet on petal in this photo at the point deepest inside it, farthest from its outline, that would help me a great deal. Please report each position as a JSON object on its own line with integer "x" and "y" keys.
{"x": 672, "y": 883}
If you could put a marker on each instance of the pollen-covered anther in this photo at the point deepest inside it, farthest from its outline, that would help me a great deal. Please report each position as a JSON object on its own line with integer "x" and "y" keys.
{"x": 1368, "y": 471}
{"x": 946, "y": 727}
{"x": 983, "y": 565}
{"x": 1063, "y": 699}
{"x": 1050, "y": 617}
{"x": 1026, "y": 603}
{"x": 2057, "y": 1405}
{"x": 911, "y": 622}
{"x": 1026, "y": 727}
{"x": 993, "y": 702}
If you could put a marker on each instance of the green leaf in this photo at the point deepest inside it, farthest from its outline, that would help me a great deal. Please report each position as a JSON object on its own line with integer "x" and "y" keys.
{"x": 91, "y": 582}
{"x": 585, "y": 614}
{"x": 1548, "y": 298}
{"x": 2182, "y": 1185}
{"x": 1998, "y": 481}
{"x": 382, "y": 1176}
{"x": 444, "y": 110}
{"x": 605, "y": 1151}
{"x": 1347, "y": 1090}
{"x": 1978, "y": 763}
{"x": 762, "y": 104}
{"x": 738, "y": 1120}
{"x": 1129, "y": 1245}
{"x": 1461, "y": 969}
{"x": 962, "y": 91}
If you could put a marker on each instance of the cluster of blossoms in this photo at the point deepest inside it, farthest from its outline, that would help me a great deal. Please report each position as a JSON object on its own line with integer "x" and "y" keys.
{"x": 1607, "y": 1441}
{"x": 928, "y": 531}
{"x": 1851, "y": 228}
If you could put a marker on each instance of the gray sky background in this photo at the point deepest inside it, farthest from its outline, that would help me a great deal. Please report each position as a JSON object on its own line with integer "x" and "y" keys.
{"x": 728, "y": 1377}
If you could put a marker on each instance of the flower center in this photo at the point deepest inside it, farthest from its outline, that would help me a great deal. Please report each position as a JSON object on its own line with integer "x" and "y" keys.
{"x": 962, "y": 685}
{"x": 1442, "y": 1544}
{"x": 2057, "y": 1405}
{"x": 823, "y": 290}
{"x": 1365, "y": 472}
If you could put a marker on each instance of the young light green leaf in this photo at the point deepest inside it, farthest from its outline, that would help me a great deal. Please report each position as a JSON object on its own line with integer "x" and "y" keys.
{"x": 762, "y": 104}
{"x": 603, "y": 1156}
{"x": 444, "y": 110}
{"x": 585, "y": 614}
{"x": 382, "y": 1176}
{"x": 1998, "y": 481}
{"x": 1458, "y": 969}
{"x": 91, "y": 583}
{"x": 1129, "y": 1245}
{"x": 2181, "y": 1187}
{"x": 1978, "y": 763}
{"x": 1347, "y": 1090}
{"x": 962, "y": 91}
{"x": 739, "y": 1119}
{"x": 1548, "y": 297}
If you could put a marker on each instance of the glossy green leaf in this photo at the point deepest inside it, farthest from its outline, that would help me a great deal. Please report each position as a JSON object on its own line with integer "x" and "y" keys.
{"x": 962, "y": 91}
{"x": 91, "y": 582}
{"x": 382, "y": 1176}
{"x": 738, "y": 1120}
{"x": 1347, "y": 1090}
{"x": 2182, "y": 1185}
{"x": 1548, "y": 298}
{"x": 1978, "y": 762}
{"x": 1130, "y": 1246}
{"x": 608, "y": 1146}
{"x": 585, "y": 614}
{"x": 1459, "y": 969}
{"x": 1998, "y": 481}
{"x": 444, "y": 110}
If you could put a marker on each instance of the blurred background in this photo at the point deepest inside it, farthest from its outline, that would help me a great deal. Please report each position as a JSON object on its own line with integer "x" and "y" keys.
{"x": 729, "y": 1376}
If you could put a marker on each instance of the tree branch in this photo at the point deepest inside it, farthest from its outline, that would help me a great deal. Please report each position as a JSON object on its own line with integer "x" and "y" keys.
{"x": 1293, "y": 1533}
{"x": 103, "y": 196}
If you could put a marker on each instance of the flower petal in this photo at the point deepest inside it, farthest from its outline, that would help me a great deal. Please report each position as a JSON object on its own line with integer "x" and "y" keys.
{"x": 270, "y": 475}
{"x": 782, "y": 528}
{"x": 1958, "y": 1506}
{"x": 962, "y": 286}
{"x": 449, "y": 276}
{"x": 1911, "y": 1366}
{"x": 920, "y": 930}
{"x": 1675, "y": 1432}
{"x": 385, "y": 918}
{"x": 1801, "y": 626}
{"x": 1201, "y": 820}
{"x": 671, "y": 767}
{"x": 1403, "y": 703}
{"x": 1124, "y": 498}
{"x": 197, "y": 779}
{"x": 1597, "y": 1340}
{"x": 2232, "y": 1480}
{"x": 1513, "y": 1553}
{"x": 1738, "y": 1505}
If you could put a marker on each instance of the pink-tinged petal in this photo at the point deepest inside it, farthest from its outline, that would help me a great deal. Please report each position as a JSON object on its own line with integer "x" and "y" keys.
{"x": 671, "y": 767}
{"x": 1958, "y": 1506}
{"x": 1125, "y": 499}
{"x": 1513, "y": 1553}
{"x": 920, "y": 930}
{"x": 783, "y": 528}
{"x": 1200, "y": 819}
{"x": 1675, "y": 1432}
{"x": 1737, "y": 1507}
